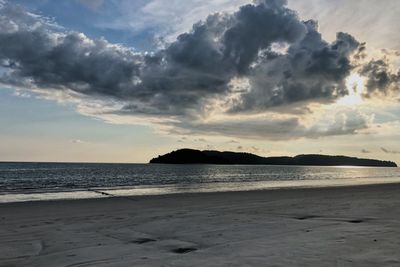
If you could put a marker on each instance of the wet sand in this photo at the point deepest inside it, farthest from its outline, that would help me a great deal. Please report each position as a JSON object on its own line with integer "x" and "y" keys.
{"x": 341, "y": 226}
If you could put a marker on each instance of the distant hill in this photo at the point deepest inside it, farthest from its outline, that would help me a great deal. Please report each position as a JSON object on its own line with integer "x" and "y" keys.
{"x": 192, "y": 156}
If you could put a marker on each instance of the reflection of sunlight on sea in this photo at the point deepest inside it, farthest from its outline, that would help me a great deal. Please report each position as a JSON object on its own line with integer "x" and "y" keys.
{"x": 243, "y": 186}
{"x": 50, "y": 181}
{"x": 350, "y": 167}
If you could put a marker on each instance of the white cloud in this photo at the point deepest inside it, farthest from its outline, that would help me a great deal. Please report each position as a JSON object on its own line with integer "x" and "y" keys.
{"x": 167, "y": 19}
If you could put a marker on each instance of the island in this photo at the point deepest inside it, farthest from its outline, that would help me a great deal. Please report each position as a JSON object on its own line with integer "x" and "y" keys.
{"x": 193, "y": 156}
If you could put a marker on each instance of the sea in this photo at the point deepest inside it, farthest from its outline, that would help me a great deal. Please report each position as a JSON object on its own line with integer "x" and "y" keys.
{"x": 53, "y": 181}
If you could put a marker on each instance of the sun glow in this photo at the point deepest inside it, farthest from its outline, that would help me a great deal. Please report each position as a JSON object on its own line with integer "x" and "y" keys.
{"x": 355, "y": 86}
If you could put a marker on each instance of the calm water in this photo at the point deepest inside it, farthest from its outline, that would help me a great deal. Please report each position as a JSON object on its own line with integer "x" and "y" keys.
{"x": 80, "y": 179}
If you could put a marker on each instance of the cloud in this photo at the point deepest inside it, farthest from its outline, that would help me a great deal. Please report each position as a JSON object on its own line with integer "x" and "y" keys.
{"x": 260, "y": 57}
{"x": 78, "y": 141}
{"x": 165, "y": 19}
{"x": 198, "y": 66}
{"x": 342, "y": 122}
{"x": 362, "y": 18}
{"x": 379, "y": 77}
{"x": 311, "y": 70}
{"x": 388, "y": 151}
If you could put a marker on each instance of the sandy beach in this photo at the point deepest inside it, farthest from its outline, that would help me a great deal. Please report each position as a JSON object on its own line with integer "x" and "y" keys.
{"x": 341, "y": 226}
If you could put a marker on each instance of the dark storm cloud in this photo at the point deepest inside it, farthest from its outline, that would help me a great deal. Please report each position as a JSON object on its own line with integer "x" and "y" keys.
{"x": 198, "y": 66}
{"x": 310, "y": 70}
{"x": 38, "y": 55}
{"x": 379, "y": 77}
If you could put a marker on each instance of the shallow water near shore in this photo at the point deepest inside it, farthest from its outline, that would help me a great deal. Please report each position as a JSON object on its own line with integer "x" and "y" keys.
{"x": 47, "y": 181}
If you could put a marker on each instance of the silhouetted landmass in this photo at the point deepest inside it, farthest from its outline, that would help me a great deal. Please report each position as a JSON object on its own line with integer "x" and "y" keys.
{"x": 192, "y": 156}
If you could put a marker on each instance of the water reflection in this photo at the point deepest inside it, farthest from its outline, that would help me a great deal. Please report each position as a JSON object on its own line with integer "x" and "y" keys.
{"x": 27, "y": 181}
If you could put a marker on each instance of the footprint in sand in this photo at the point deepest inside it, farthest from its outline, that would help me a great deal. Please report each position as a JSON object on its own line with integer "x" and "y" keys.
{"x": 356, "y": 221}
{"x": 306, "y": 217}
{"x": 183, "y": 250}
{"x": 143, "y": 240}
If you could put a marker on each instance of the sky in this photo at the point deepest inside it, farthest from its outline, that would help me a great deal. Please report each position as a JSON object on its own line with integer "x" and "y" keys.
{"x": 124, "y": 81}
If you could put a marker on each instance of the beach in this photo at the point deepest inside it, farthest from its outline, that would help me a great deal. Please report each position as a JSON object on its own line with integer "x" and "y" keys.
{"x": 336, "y": 226}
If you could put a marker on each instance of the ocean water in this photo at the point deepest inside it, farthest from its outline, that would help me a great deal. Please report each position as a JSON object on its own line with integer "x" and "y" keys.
{"x": 42, "y": 181}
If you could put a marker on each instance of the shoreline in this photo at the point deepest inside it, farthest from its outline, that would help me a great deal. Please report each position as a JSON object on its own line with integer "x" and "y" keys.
{"x": 205, "y": 194}
{"x": 137, "y": 191}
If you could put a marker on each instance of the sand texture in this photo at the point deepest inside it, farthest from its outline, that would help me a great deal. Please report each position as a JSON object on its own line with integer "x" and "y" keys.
{"x": 348, "y": 226}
